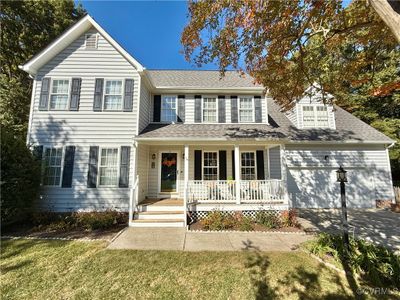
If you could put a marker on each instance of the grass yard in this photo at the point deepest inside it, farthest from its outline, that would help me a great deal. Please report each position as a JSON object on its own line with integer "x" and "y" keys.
{"x": 40, "y": 269}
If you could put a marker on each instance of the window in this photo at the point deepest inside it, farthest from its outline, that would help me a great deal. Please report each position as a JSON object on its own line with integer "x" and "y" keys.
{"x": 113, "y": 95}
{"x": 168, "y": 109}
{"x": 315, "y": 116}
{"x": 209, "y": 110}
{"x": 109, "y": 167}
{"x": 210, "y": 167}
{"x": 59, "y": 94}
{"x": 248, "y": 166}
{"x": 246, "y": 110}
{"x": 52, "y": 166}
{"x": 91, "y": 41}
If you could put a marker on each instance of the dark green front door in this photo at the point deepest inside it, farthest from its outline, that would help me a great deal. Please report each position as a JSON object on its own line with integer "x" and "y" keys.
{"x": 168, "y": 172}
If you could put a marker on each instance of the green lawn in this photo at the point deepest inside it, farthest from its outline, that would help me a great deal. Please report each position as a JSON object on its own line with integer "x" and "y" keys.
{"x": 82, "y": 270}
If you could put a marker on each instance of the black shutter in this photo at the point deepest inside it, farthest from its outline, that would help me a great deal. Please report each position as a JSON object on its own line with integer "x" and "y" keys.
{"x": 157, "y": 108}
{"x": 221, "y": 109}
{"x": 92, "y": 172}
{"x": 233, "y": 164}
{"x": 222, "y": 165}
{"x": 257, "y": 109}
{"x": 128, "y": 95}
{"x": 181, "y": 108}
{"x": 37, "y": 152}
{"x": 124, "y": 166}
{"x": 75, "y": 94}
{"x": 44, "y": 94}
{"x": 98, "y": 94}
{"x": 68, "y": 170}
{"x": 260, "y": 165}
{"x": 197, "y": 108}
{"x": 197, "y": 165}
{"x": 234, "y": 109}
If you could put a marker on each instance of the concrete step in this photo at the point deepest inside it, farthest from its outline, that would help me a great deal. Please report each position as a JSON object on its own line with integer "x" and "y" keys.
{"x": 158, "y": 208}
{"x": 157, "y": 215}
{"x": 157, "y": 223}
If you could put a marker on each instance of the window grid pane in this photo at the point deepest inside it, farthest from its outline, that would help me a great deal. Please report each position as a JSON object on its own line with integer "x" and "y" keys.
{"x": 59, "y": 94}
{"x": 168, "y": 109}
{"x": 52, "y": 166}
{"x": 308, "y": 116}
{"x": 210, "y": 110}
{"x": 246, "y": 112}
{"x": 109, "y": 167}
{"x": 322, "y": 116}
{"x": 248, "y": 166}
{"x": 113, "y": 95}
{"x": 210, "y": 166}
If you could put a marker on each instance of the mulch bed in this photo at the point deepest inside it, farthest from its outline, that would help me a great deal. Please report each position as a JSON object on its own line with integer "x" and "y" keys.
{"x": 76, "y": 233}
{"x": 257, "y": 227}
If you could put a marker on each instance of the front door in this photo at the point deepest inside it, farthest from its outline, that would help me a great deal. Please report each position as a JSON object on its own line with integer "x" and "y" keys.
{"x": 168, "y": 172}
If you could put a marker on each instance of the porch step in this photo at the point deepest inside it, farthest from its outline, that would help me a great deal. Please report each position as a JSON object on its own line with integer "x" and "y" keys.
{"x": 159, "y": 215}
{"x": 157, "y": 223}
{"x": 159, "y": 208}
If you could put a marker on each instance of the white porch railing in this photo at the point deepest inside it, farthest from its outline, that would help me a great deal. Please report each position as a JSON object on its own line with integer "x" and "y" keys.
{"x": 224, "y": 191}
{"x": 133, "y": 198}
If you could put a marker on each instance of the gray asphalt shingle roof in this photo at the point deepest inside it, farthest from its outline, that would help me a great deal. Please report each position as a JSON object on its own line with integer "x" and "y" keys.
{"x": 348, "y": 129}
{"x": 200, "y": 79}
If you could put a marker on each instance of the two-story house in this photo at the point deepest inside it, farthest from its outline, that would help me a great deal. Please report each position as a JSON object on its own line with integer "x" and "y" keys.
{"x": 161, "y": 143}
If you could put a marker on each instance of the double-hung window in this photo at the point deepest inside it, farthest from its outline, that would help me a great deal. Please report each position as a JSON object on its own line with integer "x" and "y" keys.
{"x": 52, "y": 166}
{"x": 248, "y": 166}
{"x": 113, "y": 95}
{"x": 210, "y": 165}
{"x": 59, "y": 94}
{"x": 315, "y": 116}
{"x": 108, "y": 167}
{"x": 246, "y": 110}
{"x": 209, "y": 110}
{"x": 168, "y": 109}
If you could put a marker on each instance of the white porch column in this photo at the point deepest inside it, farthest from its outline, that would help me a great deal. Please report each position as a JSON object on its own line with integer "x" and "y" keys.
{"x": 133, "y": 194}
{"x": 284, "y": 172}
{"x": 186, "y": 179}
{"x": 237, "y": 173}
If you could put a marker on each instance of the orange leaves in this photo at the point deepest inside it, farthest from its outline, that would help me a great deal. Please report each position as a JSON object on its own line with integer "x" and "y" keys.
{"x": 386, "y": 89}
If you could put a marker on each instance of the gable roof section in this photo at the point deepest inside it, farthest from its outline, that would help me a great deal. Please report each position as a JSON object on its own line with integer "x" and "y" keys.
{"x": 198, "y": 80}
{"x": 70, "y": 35}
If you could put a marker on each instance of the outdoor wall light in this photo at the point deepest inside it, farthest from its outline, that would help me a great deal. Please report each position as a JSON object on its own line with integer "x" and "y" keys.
{"x": 341, "y": 175}
{"x": 326, "y": 157}
{"x": 153, "y": 156}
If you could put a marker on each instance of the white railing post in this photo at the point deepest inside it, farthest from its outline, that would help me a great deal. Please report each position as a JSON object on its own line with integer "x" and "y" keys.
{"x": 284, "y": 173}
{"x": 186, "y": 181}
{"x": 237, "y": 173}
{"x": 133, "y": 196}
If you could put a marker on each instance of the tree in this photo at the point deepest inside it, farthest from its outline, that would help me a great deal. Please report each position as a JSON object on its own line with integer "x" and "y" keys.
{"x": 287, "y": 46}
{"x": 27, "y": 27}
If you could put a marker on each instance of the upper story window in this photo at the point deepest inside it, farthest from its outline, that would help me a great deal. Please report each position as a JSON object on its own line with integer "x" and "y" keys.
{"x": 246, "y": 110}
{"x": 315, "y": 116}
{"x": 108, "y": 167}
{"x": 52, "y": 166}
{"x": 209, "y": 110}
{"x": 91, "y": 41}
{"x": 113, "y": 95}
{"x": 248, "y": 166}
{"x": 59, "y": 94}
{"x": 168, "y": 109}
{"x": 210, "y": 165}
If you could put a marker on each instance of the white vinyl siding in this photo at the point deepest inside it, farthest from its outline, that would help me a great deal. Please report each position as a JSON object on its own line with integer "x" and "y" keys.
{"x": 246, "y": 110}
{"x": 248, "y": 166}
{"x": 108, "y": 167}
{"x": 52, "y": 166}
{"x": 113, "y": 95}
{"x": 59, "y": 94}
{"x": 210, "y": 165}
{"x": 168, "y": 108}
{"x": 210, "y": 110}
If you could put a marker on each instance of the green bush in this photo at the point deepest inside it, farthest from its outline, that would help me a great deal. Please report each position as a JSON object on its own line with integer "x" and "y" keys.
{"x": 246, "y": 224}
{"x": 217, "y": 220}
{"x": 288, "y": 218}
{"x": 376, "y": 264}
{"x": 267, "y": 219}
{"x": 20, "y": 178}
{"x": 98, "y": 220}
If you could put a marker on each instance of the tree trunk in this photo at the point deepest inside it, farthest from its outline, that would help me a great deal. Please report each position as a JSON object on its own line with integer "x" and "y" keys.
{"x": 389, "y": 11}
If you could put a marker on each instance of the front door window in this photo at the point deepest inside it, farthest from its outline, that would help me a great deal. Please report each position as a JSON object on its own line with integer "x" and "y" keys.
{"x": 168, "y": 172}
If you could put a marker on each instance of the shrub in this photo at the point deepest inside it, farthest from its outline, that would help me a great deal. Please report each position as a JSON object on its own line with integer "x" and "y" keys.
{"x": 246, "y": 224}
{"x": 98, "y": 220}
{"x": 216, "y": 220}
{"x": 20, "y": 178}
{"x": 289, "y": 218}
{"x": 377, "y": 264}
{"x": 267, "y": 219}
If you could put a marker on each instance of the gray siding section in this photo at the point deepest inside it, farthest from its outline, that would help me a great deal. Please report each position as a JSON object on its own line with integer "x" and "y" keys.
{"x": 275, "y": 163}
{"x": 85, "y": 127}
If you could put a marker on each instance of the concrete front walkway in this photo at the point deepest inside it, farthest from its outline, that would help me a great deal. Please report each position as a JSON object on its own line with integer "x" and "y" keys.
{"x": 180, "y": 239}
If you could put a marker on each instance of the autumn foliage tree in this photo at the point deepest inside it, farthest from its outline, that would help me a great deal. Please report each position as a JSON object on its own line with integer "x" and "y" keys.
{"x": 348, "y": 52}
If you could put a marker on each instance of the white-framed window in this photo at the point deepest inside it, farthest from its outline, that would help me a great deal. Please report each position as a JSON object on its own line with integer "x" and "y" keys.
{"x": 113, "y": 94}
{"x": 315, "y": 116}
{"x": 59, "y": 94}
{"x": 168, "y": 108}
{"x": 91, "y": 40}
{"x": 210, "y": 110}
{"x": 108, "y": 167}
{"x": 210, "y": 165}
{"x": 52, "y": 166}
{"x": 248, "y": 166}
{"x": 246, "y": 110}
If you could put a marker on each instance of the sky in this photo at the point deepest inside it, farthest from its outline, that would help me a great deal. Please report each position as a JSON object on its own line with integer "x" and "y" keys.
{"x": 149, "y": 30}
